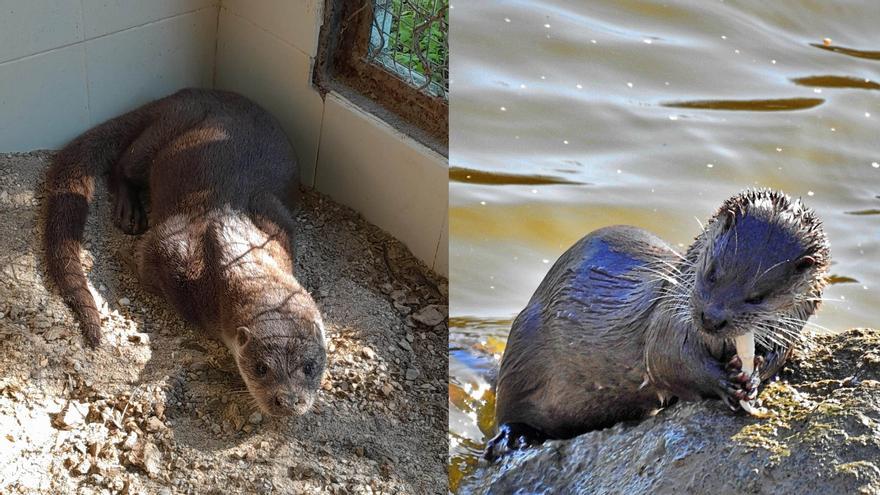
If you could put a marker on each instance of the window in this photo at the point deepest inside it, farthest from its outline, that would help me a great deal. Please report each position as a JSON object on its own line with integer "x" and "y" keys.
{"x": 391, "y": 57}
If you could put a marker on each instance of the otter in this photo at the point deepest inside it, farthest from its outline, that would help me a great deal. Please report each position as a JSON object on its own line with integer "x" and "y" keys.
{"x": 216, "y": 172}
{"x": 622, "y": 324}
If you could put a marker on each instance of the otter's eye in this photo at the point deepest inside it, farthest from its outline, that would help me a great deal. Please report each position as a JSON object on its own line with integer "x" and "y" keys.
{"x": 309, "y": 368}
{"x": 756, "y": 299}
{"x": 261, "y": 369}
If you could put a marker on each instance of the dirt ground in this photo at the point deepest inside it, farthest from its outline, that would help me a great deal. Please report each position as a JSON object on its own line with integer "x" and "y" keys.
{"x": 160, "y": 408}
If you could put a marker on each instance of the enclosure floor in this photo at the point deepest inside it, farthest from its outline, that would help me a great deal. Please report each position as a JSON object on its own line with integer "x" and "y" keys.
{"x": 158, "y": 408}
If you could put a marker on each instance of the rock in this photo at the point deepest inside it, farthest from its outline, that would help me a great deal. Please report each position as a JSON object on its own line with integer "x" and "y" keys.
{"x": 368, "y": 353}
{"x": 823, "y": 437}
{"x": 430, "y": 315}
{"x": 54, "y": 333}
{"x": 255, "y": 418}
{"x": 387, "y": 389}
{"x": 154, "y": 424}
{"x": 130, "y": 441}
{"x": 72, "y": 416}
{"x": 148, "y": 457}
{"x": 83, "y": 467}
{"x": 412, "y": 374}
{"x": 124, "y": 301}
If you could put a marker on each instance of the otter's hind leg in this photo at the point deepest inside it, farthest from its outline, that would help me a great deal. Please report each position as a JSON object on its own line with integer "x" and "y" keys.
{"x": 513, "y": 436}
{"x": 130, "y": 176}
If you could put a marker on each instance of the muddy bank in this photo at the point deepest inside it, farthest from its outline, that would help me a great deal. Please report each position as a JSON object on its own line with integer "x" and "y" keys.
{"x": 159, "y": 408}
{"x": 823, "y": 438}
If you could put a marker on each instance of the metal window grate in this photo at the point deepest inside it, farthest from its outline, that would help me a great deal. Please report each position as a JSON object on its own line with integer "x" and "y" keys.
{"x": 409, "y": 38}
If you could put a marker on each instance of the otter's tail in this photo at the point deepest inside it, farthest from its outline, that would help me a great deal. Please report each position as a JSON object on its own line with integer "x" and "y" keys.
{"x": 70, "y": 185}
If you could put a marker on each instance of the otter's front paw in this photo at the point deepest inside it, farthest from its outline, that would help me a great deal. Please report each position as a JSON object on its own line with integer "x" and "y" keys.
{"x": 129, "y": 215}
{"x": 737, "y": 385}
{"x": 512, "y": 436}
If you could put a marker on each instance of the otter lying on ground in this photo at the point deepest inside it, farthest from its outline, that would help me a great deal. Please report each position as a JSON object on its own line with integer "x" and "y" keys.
{"x": 622, "y": 324}
{"x": 217, "y": 170}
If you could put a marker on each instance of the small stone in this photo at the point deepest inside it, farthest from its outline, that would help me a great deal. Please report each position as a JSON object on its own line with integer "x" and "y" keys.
{"x": 255, "y": 418}
{"x": 430, "y": 315}
{"x": 154, "y": 424}
{"x": 124, "y": 301}
{"x": 387, "y": 389}
{"x": 84, "y": 466}
{"x": 368, "y": 353}
{"x": 412, "y": 374}
{"x": 72, "y": 416}
{"x": 54, "y": 333}
{"x": 130, "y": 441}
{"x": 405, "y": 345}
{"x": 95, "y": 448}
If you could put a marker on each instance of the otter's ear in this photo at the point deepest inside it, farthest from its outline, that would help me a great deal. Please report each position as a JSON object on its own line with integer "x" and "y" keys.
{"x": 319, "y": 329}
{"x": 242, "y": 336}
{"x": 804, "y": 263}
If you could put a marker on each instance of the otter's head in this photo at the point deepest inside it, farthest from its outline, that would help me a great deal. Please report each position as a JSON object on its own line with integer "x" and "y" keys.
{"x": 759, "y": 266}
{"x": 281, "y": 359}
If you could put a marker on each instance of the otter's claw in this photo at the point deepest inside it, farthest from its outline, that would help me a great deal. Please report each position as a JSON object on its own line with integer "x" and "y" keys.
{"x": 738, "y": 386}
{"x": 129, "y": 215}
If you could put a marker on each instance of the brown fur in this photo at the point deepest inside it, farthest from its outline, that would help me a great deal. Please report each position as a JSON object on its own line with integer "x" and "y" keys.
{"x": 618, "y": 327}
{"x": 216, "y": 169}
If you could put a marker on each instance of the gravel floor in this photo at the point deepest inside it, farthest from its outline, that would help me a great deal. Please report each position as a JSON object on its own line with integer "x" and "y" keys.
{"x": 159, "y": 408}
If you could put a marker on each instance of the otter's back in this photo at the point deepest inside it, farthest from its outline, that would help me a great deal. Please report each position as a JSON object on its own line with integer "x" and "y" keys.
{"x": 583, "y": 329}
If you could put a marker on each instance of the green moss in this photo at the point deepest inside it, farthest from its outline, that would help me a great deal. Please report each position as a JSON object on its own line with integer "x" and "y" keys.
{"x": 857, "y": 469}
{"x": 786, "y": 406}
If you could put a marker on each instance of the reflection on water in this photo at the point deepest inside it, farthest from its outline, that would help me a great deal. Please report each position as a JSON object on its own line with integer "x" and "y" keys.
{"x": 777, "y": 105}
{"x": 567, "y": 116}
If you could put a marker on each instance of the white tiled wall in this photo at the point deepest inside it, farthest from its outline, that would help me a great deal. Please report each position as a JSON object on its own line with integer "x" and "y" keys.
{"x": 295, "y": 22}
{"x": 43, "y": 101}
{"x": 66, "y": 65}
{"x": 109, "y": 16}
{"x": 131, "y": 67}
{"x": 276, "y": 75}
{"x": 393, "y": 181}
{"x": 34, "y": 26}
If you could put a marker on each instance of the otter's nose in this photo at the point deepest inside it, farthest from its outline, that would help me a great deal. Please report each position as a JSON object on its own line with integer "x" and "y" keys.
{"x": 713, "y": 320}
{"x": 286, "y": 401}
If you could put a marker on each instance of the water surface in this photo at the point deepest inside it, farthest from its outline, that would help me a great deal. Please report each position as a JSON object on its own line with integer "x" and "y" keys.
{"x": 565, "y": 118}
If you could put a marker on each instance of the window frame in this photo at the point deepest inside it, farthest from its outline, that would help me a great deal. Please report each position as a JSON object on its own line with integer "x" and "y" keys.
{"x": 342, "y": 65}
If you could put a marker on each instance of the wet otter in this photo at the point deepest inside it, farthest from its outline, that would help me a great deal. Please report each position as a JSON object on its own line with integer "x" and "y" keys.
{"x": 623, "y": 324}
{"x": 216, "y": 170}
